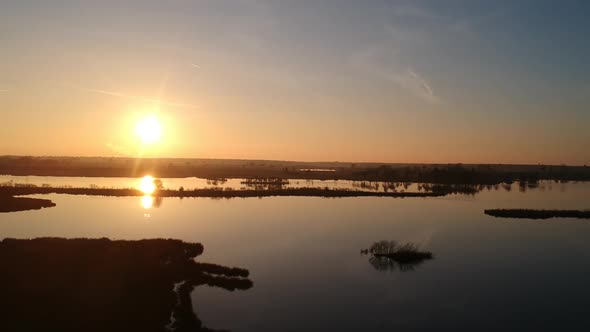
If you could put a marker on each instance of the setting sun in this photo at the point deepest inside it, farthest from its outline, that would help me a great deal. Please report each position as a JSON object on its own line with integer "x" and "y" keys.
{"x": 147, "y": 185}
{"x": 149, "y": 130}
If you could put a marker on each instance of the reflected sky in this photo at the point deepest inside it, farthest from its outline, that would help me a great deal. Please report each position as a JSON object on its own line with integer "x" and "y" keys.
{"x": 304, "y": 255}
{"x": 147, "y": 184}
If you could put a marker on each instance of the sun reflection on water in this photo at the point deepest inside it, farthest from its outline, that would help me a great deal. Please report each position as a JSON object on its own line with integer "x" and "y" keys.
{"x": 148, "y": 187}
{"x": 147, "y": 202}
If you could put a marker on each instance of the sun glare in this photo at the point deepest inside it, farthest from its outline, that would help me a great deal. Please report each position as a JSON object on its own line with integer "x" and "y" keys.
{"x": 147, "y": 185}
{"x": 149, "y": 130}
{"x": 147, "y": 202}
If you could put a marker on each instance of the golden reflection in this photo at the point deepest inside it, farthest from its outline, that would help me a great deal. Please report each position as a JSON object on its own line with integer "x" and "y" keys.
{"x": 147, "y": 202}
{"x": 147, "y": 185}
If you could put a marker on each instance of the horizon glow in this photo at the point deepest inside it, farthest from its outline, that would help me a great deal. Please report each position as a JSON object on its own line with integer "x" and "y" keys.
{"x": 421, "y": 81}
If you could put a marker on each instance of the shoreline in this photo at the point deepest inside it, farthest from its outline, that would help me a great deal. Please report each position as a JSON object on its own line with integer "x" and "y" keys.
{"x": 214, "y": 193}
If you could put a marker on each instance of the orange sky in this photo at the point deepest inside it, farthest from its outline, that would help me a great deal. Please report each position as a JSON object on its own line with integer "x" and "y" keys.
{"x": 254, "y": 80}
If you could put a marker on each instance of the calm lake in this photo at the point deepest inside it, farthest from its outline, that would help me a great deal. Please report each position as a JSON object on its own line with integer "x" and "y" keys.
{"x": 304, "y": 257}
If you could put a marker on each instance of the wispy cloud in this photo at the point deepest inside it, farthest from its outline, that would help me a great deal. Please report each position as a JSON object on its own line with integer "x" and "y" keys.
{"x": 462, "y": 24}
{"x": 415, "y": 12}
{"x": 195, "y": 66}
{"x": 416, "y": 84}
{"x": 469, "y": 25}
{"x": 384, "y": 62}
{"x": 3, "y": 90}
{"x": 140, "y": 98}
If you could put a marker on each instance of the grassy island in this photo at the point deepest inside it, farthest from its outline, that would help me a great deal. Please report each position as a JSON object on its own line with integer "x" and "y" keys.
{"x": 213, "y": 192}
{"x": 390, "y": 255}
{"x": 538, "y": 214}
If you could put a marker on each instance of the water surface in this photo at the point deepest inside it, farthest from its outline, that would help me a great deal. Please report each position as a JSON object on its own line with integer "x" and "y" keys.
{"x": 304, "y": 257}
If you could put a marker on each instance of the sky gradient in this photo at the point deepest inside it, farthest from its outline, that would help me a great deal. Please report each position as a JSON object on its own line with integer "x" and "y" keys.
{"x": 384, "y": 81}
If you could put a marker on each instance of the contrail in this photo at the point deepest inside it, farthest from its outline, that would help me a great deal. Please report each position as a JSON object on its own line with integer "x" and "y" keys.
{"x": 196, "y": 66}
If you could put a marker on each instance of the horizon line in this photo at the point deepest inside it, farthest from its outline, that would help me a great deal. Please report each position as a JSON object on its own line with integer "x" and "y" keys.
{"x": 300, "y": 161}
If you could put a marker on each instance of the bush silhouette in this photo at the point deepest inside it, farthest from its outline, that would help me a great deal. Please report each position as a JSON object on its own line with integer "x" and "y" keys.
{"x": 390, "y": 255}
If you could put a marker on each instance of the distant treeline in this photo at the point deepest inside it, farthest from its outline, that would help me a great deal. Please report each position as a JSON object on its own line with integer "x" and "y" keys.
{"x": 212, "y": 169}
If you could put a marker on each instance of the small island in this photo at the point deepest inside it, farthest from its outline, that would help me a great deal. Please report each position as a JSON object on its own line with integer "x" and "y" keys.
{"x": 213, "y": 192}
{"x": 15, "y": 204}
{"x": 537, "y": 214}
{"x": 390, "y": 255}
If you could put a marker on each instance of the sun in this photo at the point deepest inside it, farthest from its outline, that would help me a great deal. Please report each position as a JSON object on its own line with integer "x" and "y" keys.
{"x": 147, "y": 185}
{"x": 149, "y": 130}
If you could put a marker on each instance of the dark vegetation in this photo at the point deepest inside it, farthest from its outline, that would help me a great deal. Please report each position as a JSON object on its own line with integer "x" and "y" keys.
{"x": 211, "y": 192}
{"x": 538, "y": 214}
{"x": 55, "y": 284}
{"x": 390, "y": 255}
{"x": 265, "y": 183}
{"x": 220, "y": 169}
{"x": 13, "y": 204}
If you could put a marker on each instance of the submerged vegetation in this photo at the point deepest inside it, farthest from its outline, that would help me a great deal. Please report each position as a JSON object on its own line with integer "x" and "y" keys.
{"x": 56, "y": 284}
{"x": 390, "y": 255}
{"x": 538, "y": 214}
{"x": 266, "y": 181}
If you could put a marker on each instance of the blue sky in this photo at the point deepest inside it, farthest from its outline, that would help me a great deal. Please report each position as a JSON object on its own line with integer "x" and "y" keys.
{"x": 402, "y": 81}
